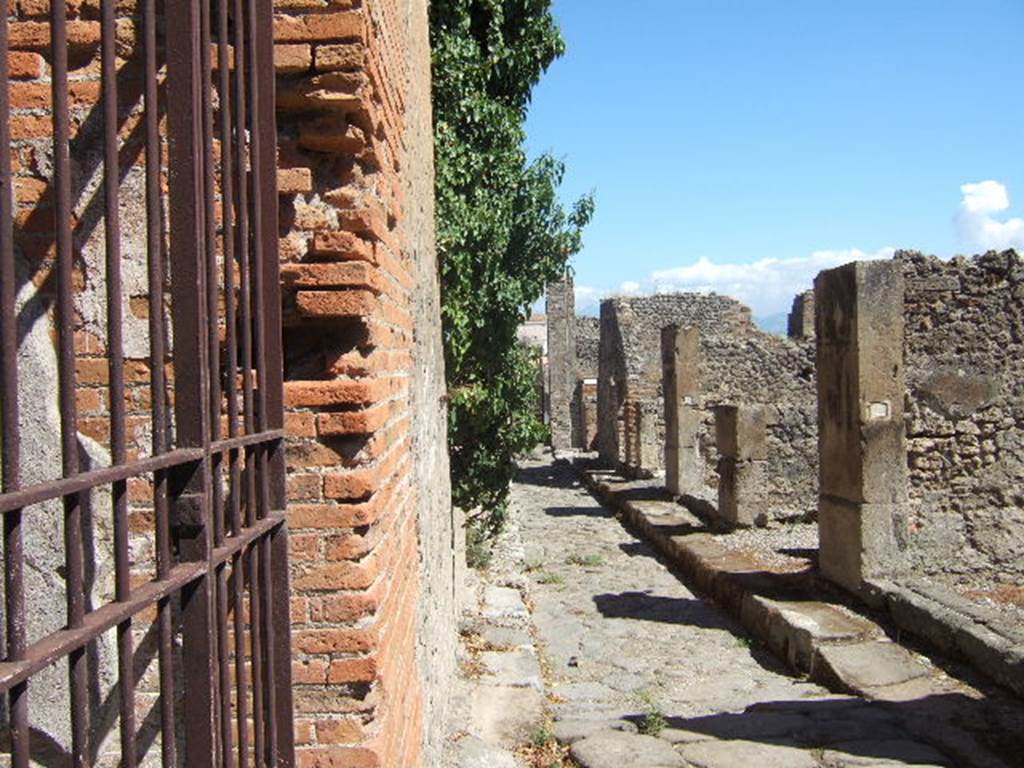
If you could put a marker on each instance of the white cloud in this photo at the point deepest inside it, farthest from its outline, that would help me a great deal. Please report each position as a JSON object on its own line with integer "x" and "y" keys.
{"x": 767, "y": 286}
{"x": 975, "y": 221}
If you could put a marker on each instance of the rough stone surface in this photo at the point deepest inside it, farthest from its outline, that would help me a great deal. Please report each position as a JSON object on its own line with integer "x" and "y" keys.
{"x": 624, "y": 638}
{"x": 562, "y": 376}
{"x": 964, "y": 350}
{"x": 613, "y": 750}
{"x": 862, "y": 451}
{"x": 738, "y": 364}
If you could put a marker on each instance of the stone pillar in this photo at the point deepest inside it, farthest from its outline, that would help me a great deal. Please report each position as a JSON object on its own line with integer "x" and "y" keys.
{"x": 861, "y": 441}
{"x": 649, "y": 450}
{"x": 801, "y": 317}
{"x": 561, "y": 317}
{"x": 741, "y": 433}
{"x": 680, "y": 363}
{"x": 587, "y": 403}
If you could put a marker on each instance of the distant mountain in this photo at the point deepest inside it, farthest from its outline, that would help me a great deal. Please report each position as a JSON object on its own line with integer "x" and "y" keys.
{"x": 777, "y": 323}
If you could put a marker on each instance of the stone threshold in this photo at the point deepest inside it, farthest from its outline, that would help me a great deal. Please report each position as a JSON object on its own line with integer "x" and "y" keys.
{"x": 826, "y": 641}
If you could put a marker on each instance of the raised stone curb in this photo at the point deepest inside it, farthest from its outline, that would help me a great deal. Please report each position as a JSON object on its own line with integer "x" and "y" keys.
{"x": 959, "y": 628}
{"x": 832, "y": 645}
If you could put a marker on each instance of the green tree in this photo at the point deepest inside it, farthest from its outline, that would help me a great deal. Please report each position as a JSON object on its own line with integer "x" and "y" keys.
{"x": 502, "y": 234}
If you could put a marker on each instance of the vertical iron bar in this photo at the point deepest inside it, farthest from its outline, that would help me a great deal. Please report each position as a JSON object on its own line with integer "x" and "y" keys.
{"x": 74, "y": 564}
{"x": 242, "y": 563}
{"x": 222, "y": 711}
{"x": 158, "y": 383}
{"x": 227, "y": 240}
{"x": 244, "y": 170}
{"x": 115, "y": 352}
{"x": 191, "y": 371}
{"x": 273, "y": 556}
{"x": 14, "y": 555}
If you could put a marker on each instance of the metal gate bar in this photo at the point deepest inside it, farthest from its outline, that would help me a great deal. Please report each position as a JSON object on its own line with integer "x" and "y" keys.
{"x": 217, "y": 501}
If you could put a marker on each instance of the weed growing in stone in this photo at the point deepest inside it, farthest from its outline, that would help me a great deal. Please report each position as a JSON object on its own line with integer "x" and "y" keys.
{"x": 653, "y": 720}
{"x": 586, "y": 561}
{"x": 550, "y": 578}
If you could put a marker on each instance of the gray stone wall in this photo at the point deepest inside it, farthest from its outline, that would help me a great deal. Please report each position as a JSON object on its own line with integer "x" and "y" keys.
{"x": 739, "y": 365}
{"x": 437, "y": 608}
{"x": 561, "y": 315}
{"x": 588, "y": 346}
{"x": 629, "y": 364}
{"x": 964, "y": 355}
{"x": 801, "y": 316}
{"x": 778, "y": 373}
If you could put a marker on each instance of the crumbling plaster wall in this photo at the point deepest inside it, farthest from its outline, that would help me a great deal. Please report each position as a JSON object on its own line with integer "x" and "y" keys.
{"x": 964, "y": 356}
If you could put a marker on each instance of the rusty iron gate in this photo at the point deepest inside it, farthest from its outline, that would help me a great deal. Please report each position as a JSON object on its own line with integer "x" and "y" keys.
{"x": 217, "y": 593}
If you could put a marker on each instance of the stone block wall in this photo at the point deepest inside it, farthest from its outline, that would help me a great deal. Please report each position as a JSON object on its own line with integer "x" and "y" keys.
{"x": 801, "y": 316}
{"x": 561, "y": 382}
{"x": 584, "y": 399}
{"x": 629, "y": 362}
{"x": 738, "y": 365}
{"x": 964, "y": 357}
{"x": 778, "y": 373}
{"x": 372, "y": 531}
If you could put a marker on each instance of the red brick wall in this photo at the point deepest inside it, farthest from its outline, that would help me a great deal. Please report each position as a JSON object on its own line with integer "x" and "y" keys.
{"x": 355, "y": 317}
{"x": 349, "y": 338}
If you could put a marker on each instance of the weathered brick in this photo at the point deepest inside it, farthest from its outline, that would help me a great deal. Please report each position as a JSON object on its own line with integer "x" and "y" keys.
{"x": 292, "y": 181}
{"x": 337, "y": 303}
{"x": 339, "y": 56}
{"x": 35, "y": 35}
{"x": 344, "y": 274}
{"x": 25, "y": 66}
{"x": 292, "y": 59}
{"x": 344, "y": 245}
{"x": 306, "y": 394}
{"x": 323, "y": 26}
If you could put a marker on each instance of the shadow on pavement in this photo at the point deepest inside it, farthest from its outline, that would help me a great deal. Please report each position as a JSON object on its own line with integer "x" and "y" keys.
{"x": 643, "y": 606}
{"x": 948, "y": 729}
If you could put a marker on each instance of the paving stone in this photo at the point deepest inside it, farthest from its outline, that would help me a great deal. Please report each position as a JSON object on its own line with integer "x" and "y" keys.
{"x": 504, "y": 715}
{"x": 503, "y": 603}
{"x": 613, "y": 749}
{"x": 870, "y": 665}
{"x": 885, "y": 752}
{"x": 472, "y": 752}
{"x": 732, "y": 754}
{"x": 726, "y": 703}
{"x": 571, "y": 731}
{"x": 505, "y": 637}
{"x": 751, "y": 726}
{"x": 519, "y": 669}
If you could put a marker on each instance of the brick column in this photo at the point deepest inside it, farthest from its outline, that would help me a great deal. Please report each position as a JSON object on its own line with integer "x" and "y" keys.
{"x": 561, "y": 314}
{"x": 861, "y": 441}
{"x": 741, "y": 433}
{"x": 680, "y": 362}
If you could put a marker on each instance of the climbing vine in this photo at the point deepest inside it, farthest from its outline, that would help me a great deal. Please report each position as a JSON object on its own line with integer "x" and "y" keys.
{"x": 502, "y": 234}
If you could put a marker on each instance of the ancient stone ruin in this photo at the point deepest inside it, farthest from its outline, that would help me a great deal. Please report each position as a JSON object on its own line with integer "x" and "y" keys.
{"x": 891, "y": 416}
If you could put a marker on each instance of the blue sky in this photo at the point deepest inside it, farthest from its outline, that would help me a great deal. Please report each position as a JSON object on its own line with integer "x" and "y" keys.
{"x": 741, "y": 145}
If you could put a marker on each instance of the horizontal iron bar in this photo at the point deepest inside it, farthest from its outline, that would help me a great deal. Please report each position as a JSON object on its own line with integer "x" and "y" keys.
{"x": 59, "y": 644}
{"x": 243, "y": 441}
{"x": 83, "y": 481}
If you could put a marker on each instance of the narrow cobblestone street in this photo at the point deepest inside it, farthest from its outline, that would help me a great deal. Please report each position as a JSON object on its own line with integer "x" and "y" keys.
{"x": 627, "y": 650}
